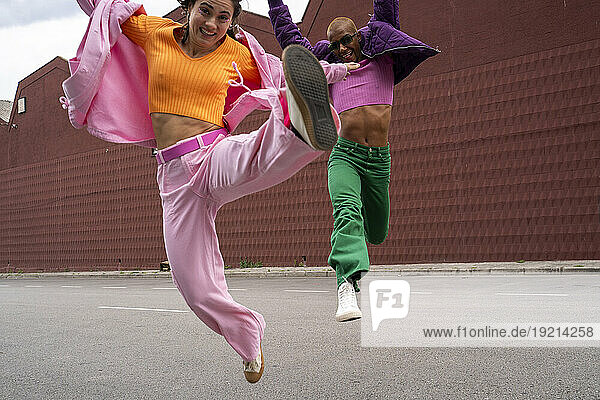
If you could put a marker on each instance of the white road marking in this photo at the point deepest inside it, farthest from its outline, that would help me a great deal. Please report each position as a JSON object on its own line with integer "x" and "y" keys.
{"x": 164, "y": 288}
{"x": 4, "y": 286}
{"x": 142, "y": 309}
{"x": 114, "y": 287}
{"x": 33, "y": 286}
{"x": 305, "y": 291}
{"x": 533, "y": 294}
{"x": 239, "y": 290}
{"x": 70, "y": 286}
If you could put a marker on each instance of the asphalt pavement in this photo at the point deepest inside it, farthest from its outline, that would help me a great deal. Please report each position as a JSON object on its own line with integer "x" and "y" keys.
{"x": 123, "y": 337}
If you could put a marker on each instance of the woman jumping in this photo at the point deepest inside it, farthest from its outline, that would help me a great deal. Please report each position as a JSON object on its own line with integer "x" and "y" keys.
{"x": 183, "y": 89}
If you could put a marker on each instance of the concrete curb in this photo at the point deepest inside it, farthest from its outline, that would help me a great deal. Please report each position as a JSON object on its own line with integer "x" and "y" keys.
{"x": 526, "y": 267}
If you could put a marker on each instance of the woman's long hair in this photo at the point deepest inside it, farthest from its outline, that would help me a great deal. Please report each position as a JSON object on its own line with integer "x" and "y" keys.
{"x": 187, "y": 5}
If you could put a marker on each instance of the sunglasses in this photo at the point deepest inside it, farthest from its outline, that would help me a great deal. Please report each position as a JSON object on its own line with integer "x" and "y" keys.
{"x": 345, "y": 40}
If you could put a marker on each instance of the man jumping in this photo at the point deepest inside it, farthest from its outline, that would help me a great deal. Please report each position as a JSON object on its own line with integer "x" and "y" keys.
{"x": 359, "y": 165}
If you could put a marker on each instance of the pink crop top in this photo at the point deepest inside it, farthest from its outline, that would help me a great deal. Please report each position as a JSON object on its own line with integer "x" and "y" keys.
{"x": 372, "y": 83}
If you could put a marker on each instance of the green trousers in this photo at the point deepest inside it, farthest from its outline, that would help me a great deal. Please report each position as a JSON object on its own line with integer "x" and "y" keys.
{"x": 358, "y": 178}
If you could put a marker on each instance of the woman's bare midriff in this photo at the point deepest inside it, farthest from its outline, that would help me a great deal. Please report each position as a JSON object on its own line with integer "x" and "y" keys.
{"x": 367, "y": 125}
{"x": 170, "y": 128}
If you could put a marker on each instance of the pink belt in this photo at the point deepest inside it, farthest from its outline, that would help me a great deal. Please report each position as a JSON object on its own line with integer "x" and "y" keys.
{"x": 194, "y": 143}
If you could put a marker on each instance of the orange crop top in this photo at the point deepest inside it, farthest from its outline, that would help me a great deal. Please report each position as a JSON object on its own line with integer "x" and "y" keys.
{"x": 179, "y": 84}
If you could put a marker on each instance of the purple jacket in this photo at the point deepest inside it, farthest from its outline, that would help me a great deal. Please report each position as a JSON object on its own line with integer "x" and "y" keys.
{"x": 381, "y": 35}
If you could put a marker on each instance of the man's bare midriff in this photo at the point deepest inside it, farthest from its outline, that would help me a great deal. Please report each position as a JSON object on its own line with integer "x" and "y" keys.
{"x": 171, "y": 128}
{"x": 367, "y": 125}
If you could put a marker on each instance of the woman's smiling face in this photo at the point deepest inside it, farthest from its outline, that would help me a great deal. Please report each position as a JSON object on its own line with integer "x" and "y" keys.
{"x": 208, "y": 22}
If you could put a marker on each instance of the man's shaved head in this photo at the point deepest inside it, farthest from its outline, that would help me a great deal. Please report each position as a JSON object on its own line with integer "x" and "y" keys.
{"x": 344, "y": 40}
{"x": 340, "y": 23}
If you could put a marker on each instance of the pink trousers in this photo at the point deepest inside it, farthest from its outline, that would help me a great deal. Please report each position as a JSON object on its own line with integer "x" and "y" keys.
{"x": 192, "y": 188}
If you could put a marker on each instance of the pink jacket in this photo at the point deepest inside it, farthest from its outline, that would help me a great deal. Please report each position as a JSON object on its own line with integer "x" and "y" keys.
{"x": 108, "y": 87}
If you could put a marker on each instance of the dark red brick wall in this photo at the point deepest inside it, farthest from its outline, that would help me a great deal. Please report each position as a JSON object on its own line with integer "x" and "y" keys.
{"x": 80, "y": 212}
{"x": 43, "y": 132}
{"x": 495, "y": 155}
{"x": 70, "y": 201}
{"x": 495, "y": 144}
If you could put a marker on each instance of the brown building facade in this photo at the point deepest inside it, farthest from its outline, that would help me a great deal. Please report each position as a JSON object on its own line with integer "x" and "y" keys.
{"x": 495, "y": 155}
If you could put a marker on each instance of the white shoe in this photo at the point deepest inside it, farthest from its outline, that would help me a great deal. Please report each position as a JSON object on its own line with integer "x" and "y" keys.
{"x": 307, "y": 96}
{"x": 253, "y": 370}
{"x": 347, "y": 307}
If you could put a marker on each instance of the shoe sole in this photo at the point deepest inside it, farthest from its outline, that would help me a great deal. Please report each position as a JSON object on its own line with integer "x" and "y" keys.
{"x": 349, "y": 316}
{"x": 307, "y": 83}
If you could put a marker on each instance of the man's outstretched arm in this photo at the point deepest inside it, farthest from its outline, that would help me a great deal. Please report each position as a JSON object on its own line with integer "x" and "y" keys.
{"x": 286, "y": 32}
{"x": 387, "y": 11}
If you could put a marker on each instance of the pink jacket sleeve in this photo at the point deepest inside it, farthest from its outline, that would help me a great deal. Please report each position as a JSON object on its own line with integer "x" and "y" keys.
{"x": 108, "y": 87}
{"x": 334, "y": 72}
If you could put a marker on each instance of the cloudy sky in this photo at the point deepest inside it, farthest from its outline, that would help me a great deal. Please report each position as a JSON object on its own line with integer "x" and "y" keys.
{"x": 33, "y": 32}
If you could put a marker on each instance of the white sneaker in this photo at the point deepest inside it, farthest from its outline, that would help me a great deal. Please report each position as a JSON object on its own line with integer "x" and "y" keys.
{"x": 253, "y": 370}
{"x": 307, "y": 96}
{"x": 347, "y": 307}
